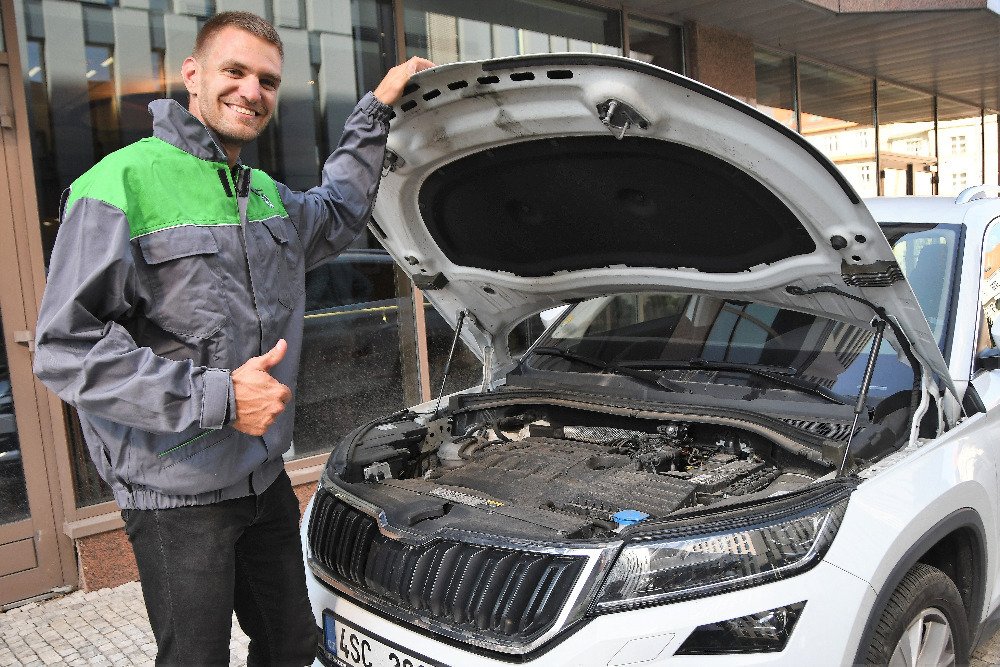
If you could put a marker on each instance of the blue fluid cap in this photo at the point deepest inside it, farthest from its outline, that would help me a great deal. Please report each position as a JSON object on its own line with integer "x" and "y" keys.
{"x": 629, "y": 517}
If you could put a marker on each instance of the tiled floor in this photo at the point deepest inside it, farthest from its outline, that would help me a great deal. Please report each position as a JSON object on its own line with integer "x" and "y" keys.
{"x": 105, "y": 627}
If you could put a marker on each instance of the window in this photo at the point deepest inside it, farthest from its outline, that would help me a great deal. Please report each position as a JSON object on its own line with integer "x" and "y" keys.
{"x": 659, "y": 44}
{"x": 837, "y": 116}
{"x": 989, "y": 290}
{"x": 351, "y": 370}
{"x": 775, "y": 75}
{"x": 927, "y": 255}
{"x": 452, "y": 30}
{"x": 960, "y": 128}
{"x": 906, "y": 140}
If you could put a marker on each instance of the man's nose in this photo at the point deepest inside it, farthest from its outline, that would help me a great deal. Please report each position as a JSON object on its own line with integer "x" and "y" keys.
{"x": 250, "y": 89}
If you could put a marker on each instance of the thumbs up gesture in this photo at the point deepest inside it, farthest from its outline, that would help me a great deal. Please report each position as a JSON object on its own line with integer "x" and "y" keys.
{"x": 259, "y": 397}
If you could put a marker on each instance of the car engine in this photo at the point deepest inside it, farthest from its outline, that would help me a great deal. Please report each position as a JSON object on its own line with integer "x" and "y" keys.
{"x": 543, "y": 472}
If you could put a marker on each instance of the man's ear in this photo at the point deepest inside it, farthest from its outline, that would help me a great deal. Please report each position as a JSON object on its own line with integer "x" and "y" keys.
{"x": 190, "y": 70}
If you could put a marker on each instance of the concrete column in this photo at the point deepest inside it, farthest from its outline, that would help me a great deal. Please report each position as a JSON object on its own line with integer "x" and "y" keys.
{"x": 179, "y": 33}
{"x": 287, "y": 14}
{"x": 192, "y": 7}
{"x": 534, "y": 42}
{"x": 297, "y": 125}
{"x": 135, "y": 83}
{"x": 329, "y": 16}
{"x": 337, "y": 84}
{"x": 474, "y": 40}
{"x": 69, "y": 95}
{"x": 723, "y": 60}
{"x": 505, "y": 41}
{"x": 256, "y": 6}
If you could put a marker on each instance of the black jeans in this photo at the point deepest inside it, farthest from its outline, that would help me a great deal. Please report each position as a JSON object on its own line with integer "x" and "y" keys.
{"x": 199, "y": 564}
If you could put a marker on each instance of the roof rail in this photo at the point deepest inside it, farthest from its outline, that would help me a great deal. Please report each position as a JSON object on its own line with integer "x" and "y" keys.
{"x": 975, "y": 192}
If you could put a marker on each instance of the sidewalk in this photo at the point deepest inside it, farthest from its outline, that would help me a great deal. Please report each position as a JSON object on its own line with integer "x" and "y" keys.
{"x": 105, "y": 627}
{"x": 109, "y": 627}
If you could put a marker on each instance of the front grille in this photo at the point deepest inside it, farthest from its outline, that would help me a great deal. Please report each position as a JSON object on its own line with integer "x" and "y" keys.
{"x": 509, "y": 594}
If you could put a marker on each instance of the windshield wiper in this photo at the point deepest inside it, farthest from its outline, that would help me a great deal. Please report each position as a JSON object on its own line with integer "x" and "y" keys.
{"x": 776, "y": 374}
{"x": 649, "y": 377}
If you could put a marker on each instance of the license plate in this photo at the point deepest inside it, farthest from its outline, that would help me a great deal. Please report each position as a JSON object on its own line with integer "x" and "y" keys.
{"x": 347, "y": 645}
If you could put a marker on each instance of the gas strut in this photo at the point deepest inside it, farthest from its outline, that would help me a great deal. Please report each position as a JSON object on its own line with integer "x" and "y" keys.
{"x": 865, "y": 386}
{"x": 451, "y": 353}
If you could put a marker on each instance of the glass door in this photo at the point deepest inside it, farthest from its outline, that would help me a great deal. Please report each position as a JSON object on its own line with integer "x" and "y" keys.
{"x": 31, "y": 562}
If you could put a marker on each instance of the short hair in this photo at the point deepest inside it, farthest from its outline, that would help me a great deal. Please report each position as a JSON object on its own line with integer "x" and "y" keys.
{"x": 246, "y": 21}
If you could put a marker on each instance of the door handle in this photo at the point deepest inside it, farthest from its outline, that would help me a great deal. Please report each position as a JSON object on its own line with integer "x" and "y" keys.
{"x": 26, "y": 338}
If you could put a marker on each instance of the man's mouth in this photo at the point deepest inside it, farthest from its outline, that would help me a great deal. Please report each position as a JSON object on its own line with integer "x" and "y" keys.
{"x": 243, "y": 111}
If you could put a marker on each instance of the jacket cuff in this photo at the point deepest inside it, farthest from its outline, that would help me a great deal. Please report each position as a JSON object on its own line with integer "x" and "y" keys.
{"x": 375, "y": 109}
{"x": 216, "y": 390}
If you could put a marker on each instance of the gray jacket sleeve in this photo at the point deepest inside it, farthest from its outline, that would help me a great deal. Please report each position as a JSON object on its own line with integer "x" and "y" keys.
{"x": 329, "y": 216}
{"x": 86, "y": 356}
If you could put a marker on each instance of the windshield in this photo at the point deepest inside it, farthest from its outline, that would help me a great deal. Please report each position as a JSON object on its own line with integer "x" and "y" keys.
{"x": 698, "y": 340}
{"x": 928, "y": 256}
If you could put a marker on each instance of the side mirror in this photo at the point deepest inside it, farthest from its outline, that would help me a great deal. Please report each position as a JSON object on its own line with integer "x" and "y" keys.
{"x": 988, "y": 360}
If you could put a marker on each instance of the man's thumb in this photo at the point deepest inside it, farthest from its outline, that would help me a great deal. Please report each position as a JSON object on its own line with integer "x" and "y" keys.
{"x": 271, "y": 358}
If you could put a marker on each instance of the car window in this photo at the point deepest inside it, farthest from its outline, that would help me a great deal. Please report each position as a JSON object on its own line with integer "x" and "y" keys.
{"x": 928, "y": 256}
{"x": 989, "y": 290}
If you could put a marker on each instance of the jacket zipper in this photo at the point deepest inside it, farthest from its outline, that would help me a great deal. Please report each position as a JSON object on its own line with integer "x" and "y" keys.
{"x": 242, "y": 189}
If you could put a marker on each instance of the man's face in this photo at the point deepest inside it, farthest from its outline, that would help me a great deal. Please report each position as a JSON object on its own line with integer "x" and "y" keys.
{"x": 233, "y": 86}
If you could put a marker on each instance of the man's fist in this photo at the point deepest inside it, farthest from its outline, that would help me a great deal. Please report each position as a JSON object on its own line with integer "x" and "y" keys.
{"x": 259, "y": 397}
{"x": 391, "y": 88}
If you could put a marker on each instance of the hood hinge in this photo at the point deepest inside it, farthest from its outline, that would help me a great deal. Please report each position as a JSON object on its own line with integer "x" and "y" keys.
{"x": 391, "y": 161}
{"x": 619, "y": 117}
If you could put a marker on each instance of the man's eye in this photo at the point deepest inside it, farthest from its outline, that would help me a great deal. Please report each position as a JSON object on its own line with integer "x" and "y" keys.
{"x": 234, "y": 72}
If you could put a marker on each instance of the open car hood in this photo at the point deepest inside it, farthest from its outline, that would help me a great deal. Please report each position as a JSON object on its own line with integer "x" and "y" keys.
{"x": 518, "y": 184}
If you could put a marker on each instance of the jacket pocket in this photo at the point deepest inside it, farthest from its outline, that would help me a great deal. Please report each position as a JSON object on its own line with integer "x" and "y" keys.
{"x": 190, "y": 463}
{"x": 183, "y": 273}
{"x": 289, "y": 262}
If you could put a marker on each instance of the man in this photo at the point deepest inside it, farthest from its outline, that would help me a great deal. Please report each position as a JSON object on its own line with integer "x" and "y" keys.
{"x": 172, "y": 320}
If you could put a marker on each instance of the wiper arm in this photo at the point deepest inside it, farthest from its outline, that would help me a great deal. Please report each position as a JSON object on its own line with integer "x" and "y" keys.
{"x": 649, "y": 377}
{"x": 775, "y": 377}
{"x": 776, "y": 374}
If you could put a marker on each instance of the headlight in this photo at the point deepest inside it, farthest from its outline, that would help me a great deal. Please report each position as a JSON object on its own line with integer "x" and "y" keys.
{"x": 693, "y": 564}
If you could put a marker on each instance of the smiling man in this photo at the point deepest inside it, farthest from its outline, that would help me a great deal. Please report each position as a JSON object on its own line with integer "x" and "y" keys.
{"x": 172, "y": 320}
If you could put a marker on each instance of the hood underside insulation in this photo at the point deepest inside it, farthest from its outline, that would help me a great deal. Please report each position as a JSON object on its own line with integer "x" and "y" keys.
{"x": 539, "y": 207}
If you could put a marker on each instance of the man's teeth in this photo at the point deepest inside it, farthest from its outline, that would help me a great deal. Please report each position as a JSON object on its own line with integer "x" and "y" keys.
{"x": 242, "y": 110}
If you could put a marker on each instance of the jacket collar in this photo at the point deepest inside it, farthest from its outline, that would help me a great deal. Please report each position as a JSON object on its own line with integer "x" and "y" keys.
{"x": 176, "y": 125}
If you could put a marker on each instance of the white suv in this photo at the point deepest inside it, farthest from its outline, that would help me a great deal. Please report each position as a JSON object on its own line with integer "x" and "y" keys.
{"x": 742, "y": 443}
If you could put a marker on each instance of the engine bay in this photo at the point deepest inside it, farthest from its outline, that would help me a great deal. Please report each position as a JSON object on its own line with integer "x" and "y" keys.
{"x": 548, "y": 472}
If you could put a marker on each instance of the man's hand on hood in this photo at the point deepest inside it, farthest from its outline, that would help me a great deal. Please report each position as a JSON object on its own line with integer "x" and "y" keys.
{"x": 391, "y": 88}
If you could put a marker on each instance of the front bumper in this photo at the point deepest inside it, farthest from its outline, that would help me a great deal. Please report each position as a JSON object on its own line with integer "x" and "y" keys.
{"x": 827, "y": 632}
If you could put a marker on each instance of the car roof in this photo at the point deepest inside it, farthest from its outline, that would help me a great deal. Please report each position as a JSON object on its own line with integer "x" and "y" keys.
{"x": 975, "y": 215}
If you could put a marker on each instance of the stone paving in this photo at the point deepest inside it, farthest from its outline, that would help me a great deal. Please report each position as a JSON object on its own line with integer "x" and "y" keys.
{"x": 109, "y": 627}
{"x": 105, "y": 627}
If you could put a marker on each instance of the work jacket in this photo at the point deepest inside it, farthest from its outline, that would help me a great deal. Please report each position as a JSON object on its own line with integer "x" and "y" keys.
{"x": 169, "y": 271}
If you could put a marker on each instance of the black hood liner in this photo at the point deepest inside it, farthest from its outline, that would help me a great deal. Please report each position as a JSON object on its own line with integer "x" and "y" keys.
{"x": 548, "y": 205}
